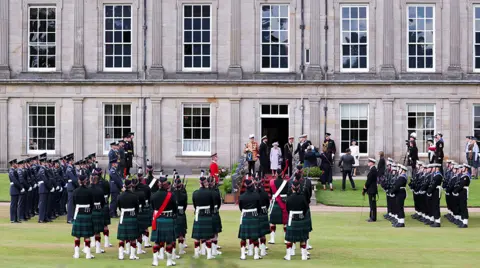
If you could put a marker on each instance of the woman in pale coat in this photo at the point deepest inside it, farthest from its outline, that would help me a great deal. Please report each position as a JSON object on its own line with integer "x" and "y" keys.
{"x": 356, "y": 154}
{"x": 275, "y": 158}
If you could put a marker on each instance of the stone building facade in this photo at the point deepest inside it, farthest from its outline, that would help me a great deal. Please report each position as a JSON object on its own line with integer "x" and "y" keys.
{"x": 194, "y": 77}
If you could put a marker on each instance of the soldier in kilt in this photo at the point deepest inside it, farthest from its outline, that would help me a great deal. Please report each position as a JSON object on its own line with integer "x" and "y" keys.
{"x": 105, "y": 185}
{"x": 82, "y": 221}
{"x": 164, "y": 204}
{"x": 144, "y": 218}
{"x": 217, "y": 220}
{"x": 297, "y": 229}
{"x": 203, "y": 202}
{"x": 147, "y": 211}
{"x": 181, "y": 221}
{"x": 127, "y": 233}
{"x": 307, "y": 189}
{"x": 250, "y": 206}
{"x": 97, "y": 212}
{"x": 264, "y": 225}
{"x": 277, "y": 211}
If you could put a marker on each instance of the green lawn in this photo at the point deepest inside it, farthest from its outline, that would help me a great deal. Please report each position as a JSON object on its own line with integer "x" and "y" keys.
{"x": 351, "y": 198}
{"x": 339, "y": 240}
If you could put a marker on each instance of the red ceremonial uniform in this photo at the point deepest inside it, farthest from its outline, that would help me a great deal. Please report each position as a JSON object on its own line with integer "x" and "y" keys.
{"x": 214, "y": 171}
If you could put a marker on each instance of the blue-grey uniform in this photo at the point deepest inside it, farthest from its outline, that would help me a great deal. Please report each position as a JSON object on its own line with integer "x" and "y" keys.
{"x": 72, "y": 184}
{"x": 15, "y": 189}
{"x": 111, "y": 155}
{"x": 43, "y": 191}
{"x": 29, "y": 200}
{"x": 63, "y": 199}
{"x": 58, "y": 174}
{"x": 51, "y": 195}
{"x": 34, "y": 183}
{"x": 116, "y": 185}
{"x": 23, "y": 196}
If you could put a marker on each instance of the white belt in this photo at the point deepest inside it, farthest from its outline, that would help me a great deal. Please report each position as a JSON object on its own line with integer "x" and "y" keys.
{"x": 40, "y": 182}
{"x": 264, "y": 209}
{"x": 468, "y": 190}
{"x": 215, "y": 209}
{"x": 283, "y": 195}
{"x": 106, "y": 198}
{"x": 77, "y": 208}
{"x": 97, "y": 205}
{"x": 181, "y": 209}
{"x": 244, "y": 211}
{"x": 290, "y": 216}
{"x": 440, "y": 189}
{"x": 11, "y": 183}
{"x": 197, "y": 211}
{"x": 69, "y": 180}
{"x": 123, "y": 210}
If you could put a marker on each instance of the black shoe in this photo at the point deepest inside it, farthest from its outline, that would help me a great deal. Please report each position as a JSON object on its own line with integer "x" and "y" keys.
{"x": 435, "y": 225}
{"x": 458, "y": 222}
{"x": 399, "y": 225}
{"x": 463, "y": 226}
{"x": 370, "y": 220}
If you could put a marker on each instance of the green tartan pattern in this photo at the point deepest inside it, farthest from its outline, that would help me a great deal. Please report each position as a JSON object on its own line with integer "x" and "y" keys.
{"x": 128, "y": 230}
{"x": 98, "y": 221}
{"x": 145, "y": 219}
{"x": 217, "y": 223}
{"x": 298, "y": 231}
{"x": 165, "y": 231}
{"x": 264, "y": 225}
{"x": 181, "y": 225}
{"x": 106, "y": 215}
{"x": 203, "y": 228}
{"x": 276, "y": 215}
{"x": 249, "y": 228}
{"x": 308, "y": 218}
{"x": 83, "y": 226}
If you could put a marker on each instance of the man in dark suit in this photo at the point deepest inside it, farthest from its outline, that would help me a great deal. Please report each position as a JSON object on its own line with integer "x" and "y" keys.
{"x": 439, "y": 145}
{"x": 302, "y": 147}
{"x": 264, "y": 157}
{"x": 370, "y": 188}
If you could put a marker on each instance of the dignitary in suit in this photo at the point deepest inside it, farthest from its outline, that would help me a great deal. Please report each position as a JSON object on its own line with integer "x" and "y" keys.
{"x": 370, "y": 188}
{"x": 251, "y": 151}
{"x": 302, "y": 147}
{"x": 16, "y": 189}
{"x": 288, "y": 152}
{"x": 439, "y": 146}
{"x": 263, "y": 155}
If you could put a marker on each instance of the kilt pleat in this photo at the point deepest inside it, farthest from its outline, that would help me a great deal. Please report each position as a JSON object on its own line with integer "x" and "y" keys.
{"x": 106, "y": 215}
{"x": 217, "y": 223}
{"x": 128, "y": 229}
{"x": 308, "y": 218}
{"x": 165, "y": 231}
{"x": 83, "y": 226}
{"x": 264, "y": 225}
{"x": 203, "y": 228}
{"x": 181, "y": 225}
{"x": 145, "y": 219}
{"x": 276, "y": 215}
{"x": 98, "y": 221}
{"x": 249, "y": 228}
{"x": 298, "y": 231}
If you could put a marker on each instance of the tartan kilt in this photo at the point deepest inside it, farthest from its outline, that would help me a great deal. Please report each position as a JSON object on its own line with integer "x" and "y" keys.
{"x": 106, "y": 215}
{"x": 308, "y": 218}
{"x": 145, "y": 219}
{"x": 276, "y": 215}
{"x": 128, "y": 229}
{"x": 181, "y": 225}
{"x": 83, "y": 226}
{"x": 165, "y": 231}
{"x": 264, "y": 225}
{"x": 249, "y": 228}
{"x": 298, "y": 231}
{"x": 203, "y": 228}
{"x": 98, "y": 220}
{"x": 217, "y": 223}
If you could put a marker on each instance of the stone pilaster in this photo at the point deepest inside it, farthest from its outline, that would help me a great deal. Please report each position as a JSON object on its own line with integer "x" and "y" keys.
{"x": 314, "y": 70}
{"x": 235, "y": 68}
{"x": 3, "y": 133}
{"x": 234, "y": 131}
{"x": 388, "y": 126}
{"x": 387, "y": 70}
{"x": 454, "y": 70}
{"x": 78, "y": 127}
{"x": 156, "y": 138}
{"x": 4, "y": 22}
{"x": 455, "y": 138}
{"x": 156, "y": 70}
{"x": 315, "y": 115}
{"x": 78, "y": 69}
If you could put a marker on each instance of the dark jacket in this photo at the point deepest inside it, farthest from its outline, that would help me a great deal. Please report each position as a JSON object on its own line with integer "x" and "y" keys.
{"x": 301, "y": 150}
{"x": 347, "y": 161}
{"x": 439, "y": 150}
{"x": 263, "y": 154}
{"x": 311, "y": 158}
{"x": 413, "y": 155}
{"x": 371, "y": 183}
{"x": 381, "y": 167}
{"x": 116, "y": 183}
{"x": 15, "y": 185}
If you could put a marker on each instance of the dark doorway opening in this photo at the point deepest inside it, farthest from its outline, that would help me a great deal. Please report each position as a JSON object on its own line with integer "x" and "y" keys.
{"x": 276, "y": 130}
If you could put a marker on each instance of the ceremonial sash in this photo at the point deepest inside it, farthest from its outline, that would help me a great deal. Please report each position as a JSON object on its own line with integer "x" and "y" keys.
{"x": 278, "y": 199}
{"x": 160, "y": 210}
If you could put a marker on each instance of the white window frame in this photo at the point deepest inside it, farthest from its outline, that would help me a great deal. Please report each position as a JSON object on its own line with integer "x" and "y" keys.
{"x": 354, "y": 70}
{"x": 422, "y": 151}
{"x": 473, "y": 119}
{"x": 421, "y": 70}
{"x": 288, "y": 44}
{"x": 118, "y": 69}
{"x": 475, "y": 30}
{"x": 359, "y": 128}
{"x": 196, "y": 69}
{"x": 42, "y": 104}
{"x": 38, "y": 69}
{"x": 113, "y": 126}
{"x": 196, "y": 153}
{"x": 270, "y": 115}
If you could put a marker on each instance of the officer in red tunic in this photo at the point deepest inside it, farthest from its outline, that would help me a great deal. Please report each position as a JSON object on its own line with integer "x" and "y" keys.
{"x": 214, "y": 168}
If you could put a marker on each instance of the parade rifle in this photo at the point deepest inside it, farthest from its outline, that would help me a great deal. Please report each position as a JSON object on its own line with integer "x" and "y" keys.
{"x": 152, "y": 183}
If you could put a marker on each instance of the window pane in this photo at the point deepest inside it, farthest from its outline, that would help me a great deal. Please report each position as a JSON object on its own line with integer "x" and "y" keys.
{"x": 205, "y": 121}
{"x": 187, "y": 121}
{"x": 42, "y": 132}
{"x": 187, "y": 111}
{"x": 265, "y": 109}
{"x": 197, "y": 133}
{"x": 42, "y": 144}
{"x": 283, "y": 109}
{"x": 363, "y": 147}
{"x": 126, "y": 121}
{"x": 51, "y": 121}
{"x": 50, "y": 144}
{"x": 117, "y": 121}
{"x": 344, "y": 145}
{"x": 117, "y": 109}
{"x": 126, "y": 109}
{"x": 42, "y": 121}
{"x": 274, "y": 109}
{"x": 32, "y": 121}
{"x": 345, "y": 123}
{"x": 205, "y": 133}
{"x": 196, "y": 121}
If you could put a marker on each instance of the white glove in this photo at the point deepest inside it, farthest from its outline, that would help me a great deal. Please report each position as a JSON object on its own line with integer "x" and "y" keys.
{"x": 22, "y": 191}
{"x": 35, "y": 186}
{"x": 61, "y": 190}
{"x": 53, "y": 190}
{"x": 30, "y": 189}
{"x": 58, "y": 188}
